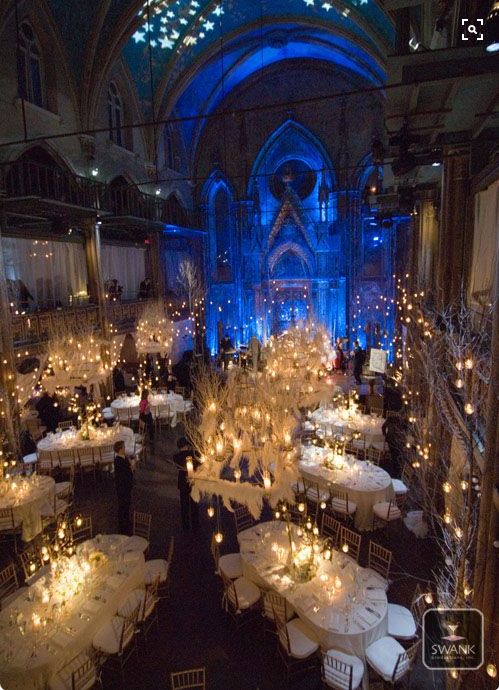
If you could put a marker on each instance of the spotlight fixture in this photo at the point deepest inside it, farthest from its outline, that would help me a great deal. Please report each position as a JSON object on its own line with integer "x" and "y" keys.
{"x": 158, "y": 192}
{"x": 492, "y": 29}
{"x": 95, "y": 172}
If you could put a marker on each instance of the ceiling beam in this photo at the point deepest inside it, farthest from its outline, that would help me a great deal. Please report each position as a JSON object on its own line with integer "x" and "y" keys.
{"x": 483, "y": 117}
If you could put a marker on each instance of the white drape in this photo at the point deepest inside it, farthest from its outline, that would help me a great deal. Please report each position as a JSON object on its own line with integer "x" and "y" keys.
{"x": 485, "y": 242}
{"x": 51, "y": 270}
{"x": 126, "y": 264}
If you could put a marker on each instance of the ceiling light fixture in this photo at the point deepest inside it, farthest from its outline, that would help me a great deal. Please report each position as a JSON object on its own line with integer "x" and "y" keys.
{"x": 492, "y": 29}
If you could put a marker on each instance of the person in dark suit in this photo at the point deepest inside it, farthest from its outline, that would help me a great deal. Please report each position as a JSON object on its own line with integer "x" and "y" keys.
{"x": 359, "y": 358}
{"x": 123, "y": 477}
{"x": 189, "y": 511}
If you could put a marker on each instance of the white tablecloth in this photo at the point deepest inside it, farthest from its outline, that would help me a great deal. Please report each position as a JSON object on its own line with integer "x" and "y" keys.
{"x": 27, "y": 499}
{"x": 364, "y": 483}
{"x": 343, "y": 604}
{"x": 348, "y": 421}
{"x": 28, "y": 660}
{"x": 175, "y": 402}
{"x": 71, "y": 439}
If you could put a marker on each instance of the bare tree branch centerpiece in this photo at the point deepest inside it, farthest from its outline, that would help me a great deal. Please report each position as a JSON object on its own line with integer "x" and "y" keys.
{"x": 191, "y": 287}
{"x": 246, "y": 435}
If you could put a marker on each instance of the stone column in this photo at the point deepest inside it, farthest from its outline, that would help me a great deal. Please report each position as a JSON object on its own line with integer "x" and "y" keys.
{"x": 154, "y": 267}
{"x": 455, "y": 242}
{"x": 91, "y": 230}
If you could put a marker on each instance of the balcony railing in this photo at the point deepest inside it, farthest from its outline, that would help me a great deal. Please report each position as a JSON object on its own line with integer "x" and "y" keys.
{"x": 25, "y": 178}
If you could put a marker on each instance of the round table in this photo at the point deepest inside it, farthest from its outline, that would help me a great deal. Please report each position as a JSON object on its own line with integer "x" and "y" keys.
{"x": 37, "y": 639}
{"x": 342, "y": 604}
{"x": 72, "y": 440}
{"x": 175, "y": 402}
{"x": 27, "y": 496}
{"x": 348, "y": 421}
{"x": 365, "y": 484}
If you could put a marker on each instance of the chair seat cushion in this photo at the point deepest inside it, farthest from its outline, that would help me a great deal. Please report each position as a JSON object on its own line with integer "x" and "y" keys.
{"x": 382, "y": 655}
{"x": 338, "y": 681}
{"x": 107, "y": 413}
{"x": 247, "y": 593}
{"x": 155, "y": 568}
{"x": 314, "y": 495}
{"x": 401, "y": 623}
{"x": 30, "y": 459}
{"x": 62, "y": 680}
{"x": 134, "y": 599}
{"x": 302, "y": 641}
{"x": 340, "y": 506}
{"x": 107, "y": 639}
{"x": 62, "y": 488}
{"x": 230, "y": 565}
{"x": 137, "y": 543}
{"x": 381, "y": 511}
{"x": 399, "y": 487}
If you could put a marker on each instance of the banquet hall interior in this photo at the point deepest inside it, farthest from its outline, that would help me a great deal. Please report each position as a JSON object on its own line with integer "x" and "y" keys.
{"x": 249, "y": 344}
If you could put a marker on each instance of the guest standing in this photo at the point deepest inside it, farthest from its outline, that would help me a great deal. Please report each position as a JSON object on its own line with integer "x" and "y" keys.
{"x": 255, "y": 349}
{"x": 359, "y": 357}
{"x": 145, "y": 414}
{"x": 189, "y": 511}
{"x": 226, "y": 347}
{"x": 338, "y": 360}
{"x": 123, "y": 477}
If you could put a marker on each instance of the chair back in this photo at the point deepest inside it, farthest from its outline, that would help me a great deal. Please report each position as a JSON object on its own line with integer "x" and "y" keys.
{"x": 192, "y": 679}
{"x": 375, "y": 403}
{"x": 282, "y": 632}
{"x": 45, "y": 462}
{"x": 123, "y": 414}
{"x": 379, "y": 559}
{"x": 215, "y": 552}
{"x": 331, "y": 528}
{"x": 339, "y": 495}
{"x": 418, "y": 605}
{"x": 82, "y": 529}
{"x": 8, "y": 581}
{"x": 337, "y": 673}
{"x": 66, "y": 424}
{"x": 82, "y": 677}
{"x": 85, "y": 456}
{"x": 142, "y": 524}
{"x": 134, "y": 412}
{"x": 374, "y": 455}
{"x": 106, "y": 454}
{"x": 274, "y": 603}
{"x": 164, "y": 411}
{"x": 66, "y": 458}
{"x": 230, "y": 592}
{"x": 7, "y": 520}
{"x": 30, "y": 561}
{"x": 405, "y": 662}
{"x": 352, "y": 540}
{"x": 243, "y": 518}
{"x": 150, "y": 599}
{"x": 128, "y": 629}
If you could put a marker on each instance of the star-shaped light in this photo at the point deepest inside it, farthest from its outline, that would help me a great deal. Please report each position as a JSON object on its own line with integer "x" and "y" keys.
{"x": 309, "y": 3}
{"x": 183, "y": 21}
{"x": 208, "y": 26}
{"x": 170, "y": 14}
{"x": 174, "y": 35}
{"x": 166, "y": 43}
{"x": 327, "y": 6}
{"x": 153, "y": 43}
{"x": 148, "y": 27}
{"x": 219, "y": 10}
{"x": 138, "y": 37}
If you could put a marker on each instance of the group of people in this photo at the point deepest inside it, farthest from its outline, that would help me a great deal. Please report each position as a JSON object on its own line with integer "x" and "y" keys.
{"x": 358, "y": 356}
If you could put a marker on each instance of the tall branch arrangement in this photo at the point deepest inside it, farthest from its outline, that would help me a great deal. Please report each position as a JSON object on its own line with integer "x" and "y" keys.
{"x": 155, "y": 330}
{"x": 245, "y": 436}
{"x": 191, "y": 286}
{"x": 442, "y": 366}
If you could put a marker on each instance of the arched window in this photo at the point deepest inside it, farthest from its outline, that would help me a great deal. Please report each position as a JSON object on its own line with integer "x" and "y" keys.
{"x": 169, "y": 147}
{"x": 115, "y": 115}
{"x": 29, "y": 67}
{"x": 222, "y": 234}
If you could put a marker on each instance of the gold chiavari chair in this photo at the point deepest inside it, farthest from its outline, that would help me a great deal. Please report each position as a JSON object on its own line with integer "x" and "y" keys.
{"x": 191, "y": 679}
{"x": 350, "y": 542}
{"x": 298, "y": 645}
{"x": 243, "y": 518}
{"x": 331, "y": 528}
{"x": 379, "y": 560}
{"x": 81, "y": 529}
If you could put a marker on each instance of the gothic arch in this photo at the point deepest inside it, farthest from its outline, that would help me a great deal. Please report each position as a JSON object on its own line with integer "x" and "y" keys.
{"x": 292, "y": 248}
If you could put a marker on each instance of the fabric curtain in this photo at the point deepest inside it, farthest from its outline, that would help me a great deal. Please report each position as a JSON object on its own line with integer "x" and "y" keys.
{"x": 55, "y": 273}
{"x": 485, "y": 243}
{"x": 125, "y": 264}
